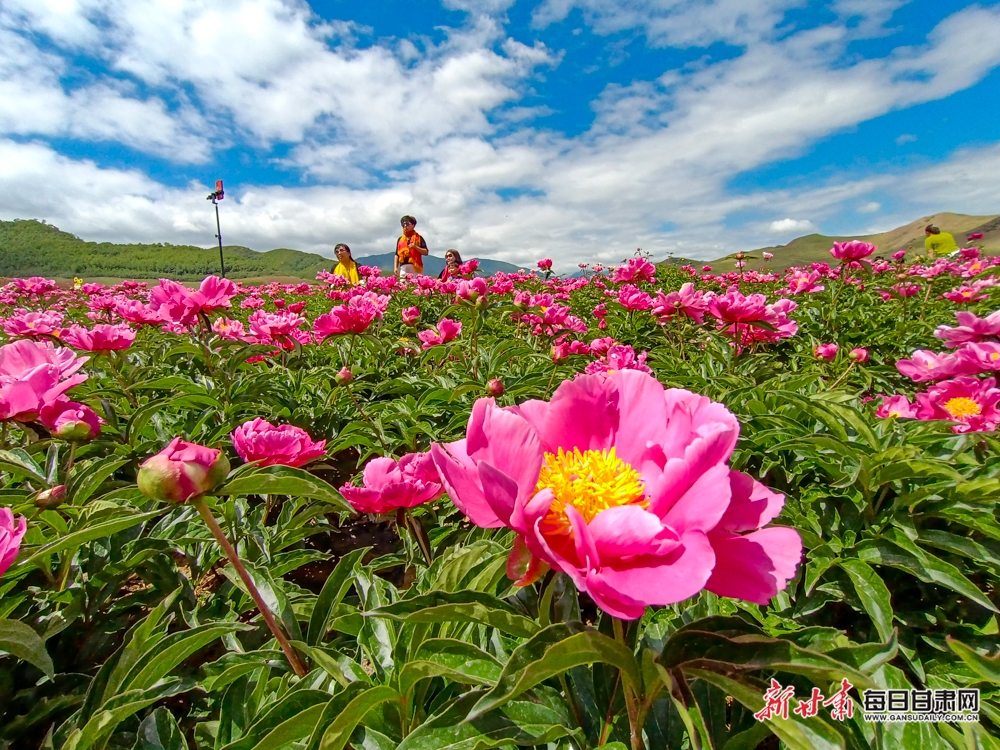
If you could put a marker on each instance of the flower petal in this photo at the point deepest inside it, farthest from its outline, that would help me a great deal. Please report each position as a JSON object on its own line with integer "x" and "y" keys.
{"x": 756, "y": 566}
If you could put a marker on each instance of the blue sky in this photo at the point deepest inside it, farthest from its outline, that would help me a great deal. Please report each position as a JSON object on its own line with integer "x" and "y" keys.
{"x": 572, "y": 129}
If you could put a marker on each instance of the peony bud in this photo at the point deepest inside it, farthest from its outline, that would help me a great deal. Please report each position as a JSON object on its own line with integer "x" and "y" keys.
{"x": 410, "y": 315}
{"x": 826, "y": 351}
{"x": 495, "y": 387}
{"x": 859, "y": 355}
{"x": 344, "y": 377}
{"x": 182, "y": 471}
{"x": 51, "y": 498}
{"x": 70, "y": 421}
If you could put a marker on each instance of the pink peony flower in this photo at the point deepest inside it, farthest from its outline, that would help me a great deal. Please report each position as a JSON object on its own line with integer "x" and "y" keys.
{"x": 389, "y": 485}
{"x": 11, "y": 534}
{"x": 767, "y": 256}
{"x": 975, "y": 236}
{"x": 970, "y": 402}
{"x": 410, "y": 315}
{"x": 100, "y": 339}
{"x": 447, "y": 330}
{"x": 274, "y": 328}
{"x": 182, "y": 471}
{"x": 33, "y": 324}
{"x": 970, "y": 328}
{"x": 471, "y": 291}
{"x": 33, "y": 374}
{"x": 354, "y": 317}
{"x": 826, "y": 351}
{"x": 979, "y": 358}
{"x": 926, "y": 365}
{"x": 175, "y": 303}
{"x": 859, "y": 355}
{"x": 599, "y": 347}
{"x": 896, "y": 406}
{"x": 847, "y": 252}
{"x": 804, "y": 282}
{"x": 133, "y": 311}
{"x": 619, "y": 357}
{"x": 634, "y": 269}
{"x": 632, "y": 298}
{"x": 229, "y": 329}
{"x": 623, "y": 486}
{"x": 545, "y": 264}
{"x": 285, "y": 445}
{"x": 899, "y": 255}
{"x": 70, "y": 421}
{"x": 686, "y": 301}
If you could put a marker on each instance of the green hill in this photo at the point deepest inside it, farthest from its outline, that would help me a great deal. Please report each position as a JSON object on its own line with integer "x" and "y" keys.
{"x": 815, "y": 248}
{"x": 33, "y": 248}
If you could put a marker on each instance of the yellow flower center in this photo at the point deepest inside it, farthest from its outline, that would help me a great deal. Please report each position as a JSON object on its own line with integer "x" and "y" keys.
{"x": 994, "y": 356}
{"x": 962, "y": 407}
{"x": 590, "y": 481}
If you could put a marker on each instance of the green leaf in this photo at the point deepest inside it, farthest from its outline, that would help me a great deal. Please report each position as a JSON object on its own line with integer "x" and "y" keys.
{"x": 86, "y": 477}
{"x": 294, "y": 728}
{"x": 552, "y": 652}
{"x": 19, "y": 640}
{"x": 461, "y": 606}
{"x": 813, "y": 733}
{"x": 19, "y": 461}
{"x": 873, "y": 593}
{"x": 521, "y": 723}
{"x": 335, "y": 736}
{"x": 289, "y": 706}
{"x": 282, "y": 480}
{"x": 896, "y": 550}
{"x": 88, "y": 534}
{"x": 159, "y": 731}
{"x": 104, "y": 722}
{"x": 333, "y": 592}
{"x": 444, "y": 657}
{"x": 691, "y": 649}
{"x": 986, "y": 667}
{"x": 169, "y": 652}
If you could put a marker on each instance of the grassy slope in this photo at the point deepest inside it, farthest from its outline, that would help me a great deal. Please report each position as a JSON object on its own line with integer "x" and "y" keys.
{"x": 815, "y": 248}
{"x": 31, "y": 248}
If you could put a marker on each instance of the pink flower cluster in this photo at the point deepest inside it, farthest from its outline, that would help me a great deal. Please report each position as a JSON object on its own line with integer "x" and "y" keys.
{"x": 958, "y": 395}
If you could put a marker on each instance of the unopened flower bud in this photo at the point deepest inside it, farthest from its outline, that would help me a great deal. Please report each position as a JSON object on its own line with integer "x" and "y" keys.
{"x": 51, "y": 498}
{"x": 344, "y": 377}
{"x": 859, "y": 355}
{"x": 182, "y": 471}
{"x": 495, "y": 387}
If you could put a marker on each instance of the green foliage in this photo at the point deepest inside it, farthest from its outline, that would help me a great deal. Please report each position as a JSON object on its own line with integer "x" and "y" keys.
{"x": 123, "y": 625}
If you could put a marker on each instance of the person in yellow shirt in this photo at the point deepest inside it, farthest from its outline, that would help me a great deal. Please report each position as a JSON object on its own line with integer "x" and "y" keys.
{"x": 346, "y": 266}
{"x": 938, "y": 243}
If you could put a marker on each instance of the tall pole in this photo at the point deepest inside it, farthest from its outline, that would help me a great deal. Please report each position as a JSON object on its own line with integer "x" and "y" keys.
{"x": 218, "y": 233}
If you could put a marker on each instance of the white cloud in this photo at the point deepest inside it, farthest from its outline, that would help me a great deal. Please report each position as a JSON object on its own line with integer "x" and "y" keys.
{"x": 905, "y": 138}
{"x": 411, "y": 126}
{"x": 786, "y": 226}
{"x": 870, "y": 207}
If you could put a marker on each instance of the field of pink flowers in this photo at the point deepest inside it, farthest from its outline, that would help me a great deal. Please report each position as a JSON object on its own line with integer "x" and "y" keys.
{"x": 643, "y": 507}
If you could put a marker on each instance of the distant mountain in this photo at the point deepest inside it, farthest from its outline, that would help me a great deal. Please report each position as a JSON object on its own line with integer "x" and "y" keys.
{"x": 815, "y": 248}
{"x": 34, "y": 248}
{"x": 433, "y": 265}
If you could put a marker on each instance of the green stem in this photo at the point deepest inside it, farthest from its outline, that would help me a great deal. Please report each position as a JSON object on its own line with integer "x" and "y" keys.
{"x": 844, "y": 375}
{"x": 414, "y": 526}
{"x": 631, "y": 700}
{"x": 72, "y": 456}
{"x": 234, "y": 559}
